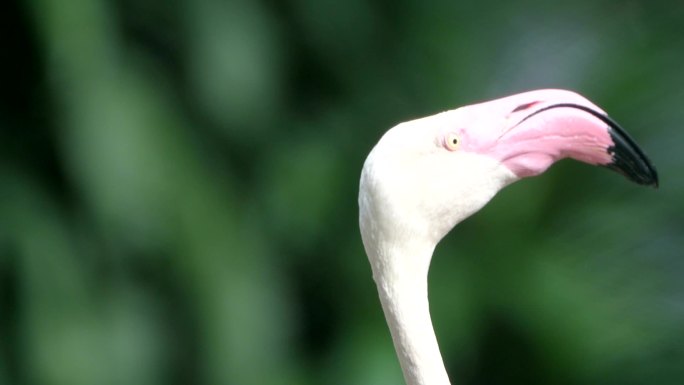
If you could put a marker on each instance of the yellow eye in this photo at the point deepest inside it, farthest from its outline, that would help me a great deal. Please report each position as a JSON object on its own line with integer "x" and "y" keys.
{"x": 452, "y": 142}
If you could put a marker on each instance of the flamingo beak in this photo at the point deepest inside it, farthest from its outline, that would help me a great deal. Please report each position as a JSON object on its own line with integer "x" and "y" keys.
{"x": 626, "y": 157}
{"x": 549, "y": 125}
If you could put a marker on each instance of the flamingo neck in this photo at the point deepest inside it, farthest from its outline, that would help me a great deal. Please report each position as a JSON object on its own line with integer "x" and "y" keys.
{"x": 401, "y": 277}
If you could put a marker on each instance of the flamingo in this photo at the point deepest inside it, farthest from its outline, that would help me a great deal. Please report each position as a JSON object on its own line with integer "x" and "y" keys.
{"x": 426, "y": 175}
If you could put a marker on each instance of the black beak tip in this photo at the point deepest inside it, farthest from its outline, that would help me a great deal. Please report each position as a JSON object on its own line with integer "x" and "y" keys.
{"x": 629, "y": 160}
{"x": 645, "y": 177}
{"x": 654, "y": 178}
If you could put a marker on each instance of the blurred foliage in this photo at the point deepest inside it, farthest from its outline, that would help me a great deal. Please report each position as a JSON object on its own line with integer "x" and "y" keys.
{"x": 178, "y": 187}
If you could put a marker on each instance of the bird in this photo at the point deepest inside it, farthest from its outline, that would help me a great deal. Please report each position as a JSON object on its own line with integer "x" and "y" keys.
{"x": 426, "y": 175}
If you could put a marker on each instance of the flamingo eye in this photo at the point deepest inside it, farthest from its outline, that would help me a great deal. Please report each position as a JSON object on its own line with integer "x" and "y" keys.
{"x": 452, "y": 142}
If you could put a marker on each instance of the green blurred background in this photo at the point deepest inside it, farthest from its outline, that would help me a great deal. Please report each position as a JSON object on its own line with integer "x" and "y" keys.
{"x": 178, "y": 185}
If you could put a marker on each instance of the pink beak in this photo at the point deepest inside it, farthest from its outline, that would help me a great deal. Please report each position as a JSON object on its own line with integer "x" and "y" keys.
{"x": 549, "y": 125}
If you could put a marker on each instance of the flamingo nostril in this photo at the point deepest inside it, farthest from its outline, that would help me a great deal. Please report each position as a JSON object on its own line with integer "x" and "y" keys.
{"x": 524, "y": 106}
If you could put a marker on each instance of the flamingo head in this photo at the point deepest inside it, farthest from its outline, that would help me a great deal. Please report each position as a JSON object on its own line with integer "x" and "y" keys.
{"x": 426, "y": 175}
